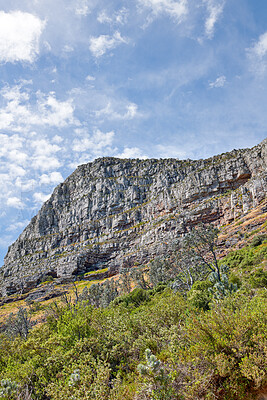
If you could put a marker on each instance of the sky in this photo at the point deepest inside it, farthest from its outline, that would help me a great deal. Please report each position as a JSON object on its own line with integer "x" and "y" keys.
{"x": 82, "y": 79}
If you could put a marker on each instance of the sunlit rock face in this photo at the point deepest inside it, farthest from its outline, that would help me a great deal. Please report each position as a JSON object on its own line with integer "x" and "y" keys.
{"x": 115, "y": 212}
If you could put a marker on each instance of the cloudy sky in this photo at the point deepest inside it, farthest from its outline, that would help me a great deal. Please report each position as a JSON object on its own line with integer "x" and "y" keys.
{"x": 81, "y": 79}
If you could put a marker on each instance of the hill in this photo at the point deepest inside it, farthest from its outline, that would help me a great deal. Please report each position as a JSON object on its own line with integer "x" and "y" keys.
{"x": 114, "y": 213}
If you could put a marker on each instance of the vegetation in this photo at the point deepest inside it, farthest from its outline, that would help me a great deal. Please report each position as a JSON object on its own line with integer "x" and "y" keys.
{"x": 193, "y": 328}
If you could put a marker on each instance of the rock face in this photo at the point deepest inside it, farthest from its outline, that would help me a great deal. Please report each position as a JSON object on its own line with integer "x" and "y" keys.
{"x": 114, "y": 212}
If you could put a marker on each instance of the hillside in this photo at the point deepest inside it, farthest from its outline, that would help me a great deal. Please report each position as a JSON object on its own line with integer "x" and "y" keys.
{"x": 113, "y": 213}
{"x": 152, "y": 344}
{"x": 130, "y": 310}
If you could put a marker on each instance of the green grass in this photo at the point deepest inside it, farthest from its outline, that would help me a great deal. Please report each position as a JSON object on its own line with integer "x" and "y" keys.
{"x": 98, "y": 271}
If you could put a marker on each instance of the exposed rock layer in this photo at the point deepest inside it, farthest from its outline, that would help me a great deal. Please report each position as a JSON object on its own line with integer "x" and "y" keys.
{"x": 115, "y": 212}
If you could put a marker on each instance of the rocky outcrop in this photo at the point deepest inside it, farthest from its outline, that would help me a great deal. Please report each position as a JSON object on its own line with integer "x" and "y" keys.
{"x": 114, "y": 212}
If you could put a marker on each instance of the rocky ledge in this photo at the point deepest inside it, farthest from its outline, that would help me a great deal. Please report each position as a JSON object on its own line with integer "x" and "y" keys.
{"x": 117, "y": 212}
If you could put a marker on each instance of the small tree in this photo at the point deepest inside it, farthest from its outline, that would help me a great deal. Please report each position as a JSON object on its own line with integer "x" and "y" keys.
{"x": 197, "y": 259}
{"x": 200, "y": 244}
{"x": 138, "y": 274}
{"x": 157, "y": 381}
{"x": 125, "y": 279}
{"x": 187, "y": 271}
{"x": 110, "y": 292}
{"x": 19, "y": 324}
{"x": 95, "y": 292}
{"x": 161, "y": 271}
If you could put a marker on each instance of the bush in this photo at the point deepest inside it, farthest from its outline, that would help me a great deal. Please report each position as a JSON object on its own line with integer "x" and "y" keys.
{"x": 229, "y": 344}
{"x": 258, "y": 240}
{"x": 135, "y": 298}
{"x": 200, "y": 296}
{"x": 258, "y": 279}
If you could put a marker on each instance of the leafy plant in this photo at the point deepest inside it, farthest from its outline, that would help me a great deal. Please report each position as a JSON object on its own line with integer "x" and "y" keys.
{"x": 8, "y": 389}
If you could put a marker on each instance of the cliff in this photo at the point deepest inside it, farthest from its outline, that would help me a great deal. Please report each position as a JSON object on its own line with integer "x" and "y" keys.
{"x": 114, "y": 212}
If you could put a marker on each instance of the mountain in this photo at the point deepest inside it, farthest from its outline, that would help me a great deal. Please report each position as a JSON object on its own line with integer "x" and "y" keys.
{"x": 123, "y": 212}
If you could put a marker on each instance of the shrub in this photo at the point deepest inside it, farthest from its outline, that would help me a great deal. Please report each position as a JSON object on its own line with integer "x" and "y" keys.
{"x": 229, "y": 343}
{"x": 258, "y": 279}
{"x": 258, "y": 240}
{"x": 8, "y": 389}
{"x": 200, "y": 296}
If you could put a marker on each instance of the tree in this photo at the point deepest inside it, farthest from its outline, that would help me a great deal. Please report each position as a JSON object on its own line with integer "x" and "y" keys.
{"x": 200, "y": 245}
{"x": 110, "y": 292}
{"x": 125, "y": 279}
{"x": 140, "y": 278}
{"x": 92, "y": 294}
{"x": 197, "y": 259}
{"x": 19, "y": 324}
{"x": 161, "y": 271}
{"x": 187, "y": 272}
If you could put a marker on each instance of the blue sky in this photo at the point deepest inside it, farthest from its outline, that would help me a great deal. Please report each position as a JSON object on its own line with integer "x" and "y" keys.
{"x": 81, "y": 79}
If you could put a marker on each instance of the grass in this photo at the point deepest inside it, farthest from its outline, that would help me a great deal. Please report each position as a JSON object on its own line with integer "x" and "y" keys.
{"x": 99, "y": 271}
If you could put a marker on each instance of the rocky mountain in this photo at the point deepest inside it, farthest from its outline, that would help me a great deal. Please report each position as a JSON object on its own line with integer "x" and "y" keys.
{"x": 123, "y": 212}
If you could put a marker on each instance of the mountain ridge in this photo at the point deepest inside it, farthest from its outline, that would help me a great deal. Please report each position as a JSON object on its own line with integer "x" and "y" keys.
{"x": 115, "y": 212}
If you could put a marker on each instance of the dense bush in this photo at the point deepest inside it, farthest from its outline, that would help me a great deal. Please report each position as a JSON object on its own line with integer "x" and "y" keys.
{"x": 89, "y": 353}
{"x": 152, "y": 343}
{"x": 258, "y": 240}
{"x": 246, "y": 257}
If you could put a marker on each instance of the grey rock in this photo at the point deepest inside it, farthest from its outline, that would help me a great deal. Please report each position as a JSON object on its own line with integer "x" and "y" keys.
{"x": 116, "y": 212}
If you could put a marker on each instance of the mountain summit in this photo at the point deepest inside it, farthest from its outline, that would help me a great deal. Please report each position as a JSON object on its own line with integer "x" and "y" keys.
{"x": 124, "y": 212}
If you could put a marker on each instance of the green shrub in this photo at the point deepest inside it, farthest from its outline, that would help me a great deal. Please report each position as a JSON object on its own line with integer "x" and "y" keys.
{"x": 135, "y": 298}
{"x": 258, "y": 279}
{"x": 229, "y": 344}
{"x": 200, "y": 296}
{"x": 258, "y": 240}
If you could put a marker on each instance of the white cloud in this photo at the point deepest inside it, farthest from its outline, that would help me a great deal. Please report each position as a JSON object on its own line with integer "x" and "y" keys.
{"x": 101, "y": 44}
{"x": 132, "y": 152}
{"x": 45, "y": 163}
{"x": 67, "y": 48}
{"x": 120, "y": 17}
{"x": 175, "y": 9}
{"x": 131, "y": 111}
{"x": 260, "y": 48}
{"x": 54, "y": 112}
{"x": 109, "y": 111}
{"x": 82, "y": 8}
{"x": 18, "y": 156}
{"x": 5, "y": 119}
{"x": 218, "y": 83}
{"x": 257, "y": 55}
{"x": 90, "y": 78}
{"x": 44, "y": 147}
{"x": 16, "y": 170}
{"x": 40, "y": 197}
{"x": 44, "y": 155}
{"x": 215, "y": 9}
{"x": 25, "y": 185}
{"x": 19, "y": 36}
{"x": 23, "y": 108}
{"x": 17, "y": 225}
{"x": 15, "y": 202}
{"x": 9, "y": 144}
{"x": 57, "y": 139}
{"x": 96, "y": 142}
{"x": 52, "y": 178}
{"x": 167, "y": 151}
